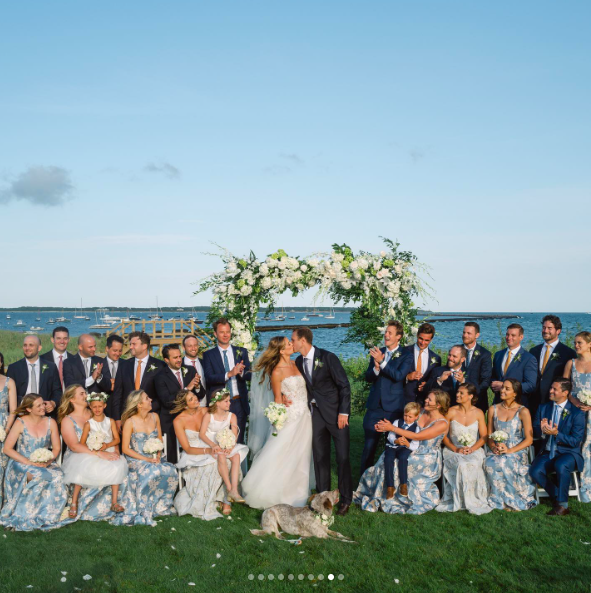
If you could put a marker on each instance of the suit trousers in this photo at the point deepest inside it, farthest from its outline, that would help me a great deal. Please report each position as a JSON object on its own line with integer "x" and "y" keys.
{"x": 563, "y": 465}
{"x": 372, "y": 437}
{"x": 237, "y": 409}
{"x": 390, "y": 456}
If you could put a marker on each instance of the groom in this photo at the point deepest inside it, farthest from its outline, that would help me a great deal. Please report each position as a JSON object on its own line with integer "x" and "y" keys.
{"x": 329, "y": 395}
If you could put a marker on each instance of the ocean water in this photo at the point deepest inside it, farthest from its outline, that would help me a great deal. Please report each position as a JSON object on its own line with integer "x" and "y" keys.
{"x": 447, "y": 334}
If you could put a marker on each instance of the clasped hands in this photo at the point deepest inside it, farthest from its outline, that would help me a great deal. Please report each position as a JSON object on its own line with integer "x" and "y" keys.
{"x": 237, "y": 370}
{"x": 387, "y": 426}
{"x": 548, "y": 427}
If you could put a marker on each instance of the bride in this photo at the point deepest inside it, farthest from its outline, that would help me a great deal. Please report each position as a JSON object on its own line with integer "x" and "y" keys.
{"x": 280, "y": 473}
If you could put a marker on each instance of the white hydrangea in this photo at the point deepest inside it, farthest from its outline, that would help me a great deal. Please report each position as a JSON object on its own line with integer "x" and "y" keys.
{"x": 266, "y": 283}
{"x": 304, "y": 268}
{"x": 264, "y": 270}
{"x": 246, "y": 290}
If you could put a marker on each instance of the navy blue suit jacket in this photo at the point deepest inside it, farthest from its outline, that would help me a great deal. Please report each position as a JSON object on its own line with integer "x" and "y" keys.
{"x": 554, "y": 370}
{"x": 479, "y": 371}
{"x": 447, "y": 385}
{"x": 522, "y": 368}
{"x": 571, "y": 430}
{"x": 387, "y": 388}
{"x": 411, "y": 388}
{"x": 213, "y": 368}
{"x": 74, "y": 372}
{"x": 49, "y": 384}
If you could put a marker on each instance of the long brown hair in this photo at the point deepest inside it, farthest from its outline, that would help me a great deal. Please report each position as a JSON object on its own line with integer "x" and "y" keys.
{"x": 270, "y": 358}
{"x": 66, "y": 406}
{"x": 131, "y": 405}
{"x": 26, "y": 402}
{"x": 442, "y": 398}
{"x": 180, "y": 401}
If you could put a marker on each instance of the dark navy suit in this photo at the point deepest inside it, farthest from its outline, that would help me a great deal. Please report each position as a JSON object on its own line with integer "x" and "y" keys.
{"x": 48, "y": 383}
{"x": 554, "y": 370}
{"x": 385, "y": 400}
{"x": 215, "y": 374}
{"x": 568, "y": 458}
{"x": 105, "y": 384}
{"x": 411, "y": 388}
{"x": 479, "y": 372}
{"x": 74, "y": 372}
{"x": 449, "y": 385}
{"x": 522, "y": 368}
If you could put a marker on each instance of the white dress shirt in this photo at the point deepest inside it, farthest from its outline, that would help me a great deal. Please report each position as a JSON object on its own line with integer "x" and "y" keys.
{"x": 144, "y": 362}
{"x": 469, "y": 354}
{"x": 513, "y": 355}
{"x": 37, "y": 365}
{"x": 189, "y": 362}
{"x": 89, "y": 380}
{"x": 231, "y": 364}
{"x": 113, "y": 366}
{"x": 543, "y": 353}
{"x": 560, "y": 411}
{"x": 308, "y": 362}
{"x": 424, "y": 358}
{"x": 56, "y": 357}
{"x": 392, "y": 436}
{"x": 386, "y": 359}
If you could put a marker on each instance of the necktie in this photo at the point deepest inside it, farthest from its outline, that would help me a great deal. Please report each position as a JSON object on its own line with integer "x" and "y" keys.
{"x": 138, "y": 375}
{"x": 33, "y": 379}
{"x": 60, "y": 369}
{"x": 507, "y": 363}
{"x": 227, "y": 369}
{"x": 113, "y": 370}
{"x": 468, "y": 358}
{"x": 388, "y": 356}
{"x": 86, "y": 367}
{"x": 307, "y": 370}
{"x": 178, "y": 376}
{"x": 555, "y": 415}
{"x": 419, "y": 361}
{"x": 546, "y": 358}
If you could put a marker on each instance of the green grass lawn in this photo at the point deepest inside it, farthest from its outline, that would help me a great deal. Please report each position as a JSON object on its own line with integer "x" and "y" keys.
{"x": 501, "y": 551}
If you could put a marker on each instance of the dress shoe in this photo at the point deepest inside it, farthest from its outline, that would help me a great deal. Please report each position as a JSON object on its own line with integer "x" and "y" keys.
{"x": 390, "y": 492}
{"x": 403, "y": 489}
{"x": 559, "y": 511}
{"x": 343, "y": 508}
{"x": 235, "y": 497}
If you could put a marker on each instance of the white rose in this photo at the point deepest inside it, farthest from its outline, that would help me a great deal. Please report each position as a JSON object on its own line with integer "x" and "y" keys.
{"x": 304, "y": 268}
{"x": 346, "y": 284}
{"x": 264, "y": 270}
{"x": 246, "y": 290}
{"x": 281, "y": 264}
{"x": 311, "y": 283}
{"x": 398, "y": 268}
{"x": 313, "y": 262}
{"x": 383, "y": 253}
{"x": 266, "y": 283}
{"x": 300, "y": 286}
{"x": 353, "y": 265}
{"x": 363, "y": 263}
{"x": 339, "y": 257}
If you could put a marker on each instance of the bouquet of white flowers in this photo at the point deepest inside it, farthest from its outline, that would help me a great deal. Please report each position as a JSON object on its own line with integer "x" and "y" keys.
{"x": 95, "y": 440}
{"x": 226, "y": 439}
{"x": 466, "y": 439}
{"x": 277, "y": 415}
{"x": 2, "y": 434}
{"x": 325, "y": 519}
{"x": 41, "y": 455}
{"x": 584, "y": 396}
{"x": 499, "y": 436}
{"x": 153, "y": 446}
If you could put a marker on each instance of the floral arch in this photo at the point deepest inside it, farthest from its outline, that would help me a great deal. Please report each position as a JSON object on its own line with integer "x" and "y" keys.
{"x": 381, "y": 285}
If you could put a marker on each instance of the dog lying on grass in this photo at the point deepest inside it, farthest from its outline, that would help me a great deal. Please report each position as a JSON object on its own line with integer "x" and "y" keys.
{"x": 312, "y": 521}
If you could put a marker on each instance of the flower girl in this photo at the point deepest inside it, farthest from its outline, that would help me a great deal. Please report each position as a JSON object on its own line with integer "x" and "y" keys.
{"x": 90, "y": 471}
{"x": 219, "y": 430}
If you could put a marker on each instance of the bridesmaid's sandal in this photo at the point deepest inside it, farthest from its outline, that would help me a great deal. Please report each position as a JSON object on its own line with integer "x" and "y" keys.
{"x": 227, "y": 510}
{"x": 73, "y": 511}
{"x": 235, "y": 497}
{"x": 117, "y": 508}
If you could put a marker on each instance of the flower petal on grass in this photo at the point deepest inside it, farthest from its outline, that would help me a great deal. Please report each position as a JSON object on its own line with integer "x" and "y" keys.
{"x": 191, "y": 584}
{"x": 172, "y": 547}
{"x": 64, "y": 572}
{"x": 397, "y": 581}
{"x": 86, "y": 577}
{"x": 63, "y": 579}
{"x": 218, "y": 555}
{"x": 212, "y": 565}
{"x": 172, "y": 529}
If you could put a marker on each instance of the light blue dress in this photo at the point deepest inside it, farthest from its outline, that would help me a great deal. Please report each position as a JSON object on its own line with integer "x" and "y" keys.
{"x": 424, "y": 469}
{"x": 94, "y": 504}
{"x": 152, "y": 486}
{"x": 39, "y": 503}
{"x": 583, "y": 381}
{"x": 3, "y": 422}
{"x": 508, "y": 475}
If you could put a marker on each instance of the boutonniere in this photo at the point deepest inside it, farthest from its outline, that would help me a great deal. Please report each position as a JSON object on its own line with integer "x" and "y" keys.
{"x": 152, "y": 367}
{"x": 565, "y": 413}
{"x": 476, "y": 353}
{"x": 517, "y": 358}
{"x": 433, "y": 360}
{"x": 396, "y": 354}
{"x": 43, "y": 368}
{"x": 93, "y": 368}
{"x": 555, "y": 356}
{"x": 238, "y": 355}
{"x": 185, "y": 371}
{"x": 318, "y": 364}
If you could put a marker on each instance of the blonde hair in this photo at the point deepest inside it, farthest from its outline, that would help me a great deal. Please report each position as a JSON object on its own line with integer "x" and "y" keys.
{"x": 134, "y": 399}
{"x": 26, "y": 402}
{"x": 66, "y": 406}
{"x": 213, "y": 408}
{"x": 441, "y": 398}
{"x": 412, "y": 408}
{"x": 270, "y": 358}
{"x": 180, "y": 401}
{"x": 585, "y": 335}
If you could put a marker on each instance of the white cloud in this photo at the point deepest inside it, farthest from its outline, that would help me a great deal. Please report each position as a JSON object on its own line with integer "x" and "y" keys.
{"x": 41, "y": 186}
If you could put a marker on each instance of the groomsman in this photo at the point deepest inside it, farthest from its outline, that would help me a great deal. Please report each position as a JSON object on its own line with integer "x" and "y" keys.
{"x": 425, "y": 361}
{"x": 60, "y": 338}
{"x": 551, "y": 356}
{"x": 388, "y": 367}
{"x": 562, "y": 426}
{"x": 228, "y": 366}
{"x": 478, "y": 365}
{"x": 136, "y": 373}
{"x": 514, "y": 362}
{"x": 84, "y": 368}
{"x": 33, "y": 375}
{"x": 168, "y": 382}
{"x": 191, "y": 348}
{"x": 450, "y": 378}
{"x": 110, "y": 368}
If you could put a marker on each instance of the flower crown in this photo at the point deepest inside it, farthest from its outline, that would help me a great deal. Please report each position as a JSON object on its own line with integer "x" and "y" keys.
{"x": 97, "y": 397}
{"x": 219, "y": 396}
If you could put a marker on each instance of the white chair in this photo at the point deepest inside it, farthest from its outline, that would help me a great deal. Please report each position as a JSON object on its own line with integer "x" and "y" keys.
{"x": 60, "y": 456}
{"x": 178, "y": 457}
{"x": 574, "y": 481}
{"x": 165, "y": 450}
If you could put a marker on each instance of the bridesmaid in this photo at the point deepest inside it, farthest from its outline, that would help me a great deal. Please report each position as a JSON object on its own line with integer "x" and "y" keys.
{"x": 578, "y": 371}
{"x": 7, "y": 408}
{"x": 35, "y": 493}
{"x": 94, "y": 504}
{"x": 424, "y": 465}
{"x": 506, "y": 464}
{"x": 152, "y": 481}
{"x": 204, "y": 486}
{"x": 464, "y": 482}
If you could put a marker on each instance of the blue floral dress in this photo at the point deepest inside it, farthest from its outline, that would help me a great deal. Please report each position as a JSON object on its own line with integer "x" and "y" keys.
{"x": 151, "y": 486}
{"x": 3, "y": 421}
{"x": 583, "y": 381}
{"x": 94, "y": 504}
{"x": 424, "y": 469}
{"x": 508, "y": 474}
{"x": 39, "y": 503}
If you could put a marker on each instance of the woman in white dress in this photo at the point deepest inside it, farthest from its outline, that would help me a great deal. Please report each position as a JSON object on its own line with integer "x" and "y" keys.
{"x": 280, "y": 473}
{"x": 464, "y": 481}
{"x": 204, "y": 488}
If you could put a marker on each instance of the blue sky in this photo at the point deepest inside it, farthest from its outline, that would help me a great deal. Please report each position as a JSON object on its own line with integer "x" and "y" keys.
{"x": 135, "y": 134}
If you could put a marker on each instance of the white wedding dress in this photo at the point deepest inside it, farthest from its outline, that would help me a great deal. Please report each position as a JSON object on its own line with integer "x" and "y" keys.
{"x": 281, "y": 471}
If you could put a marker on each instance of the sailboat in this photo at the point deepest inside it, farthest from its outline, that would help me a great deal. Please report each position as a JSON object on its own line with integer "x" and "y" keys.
{"x": 331, "y": 316}
{"x": 282, "y": 316}
{"x": 156, "y": 315}
{"x": 98, "y": 325}
{"x": 63, "y": 318}
{"x": 80, "y": 316}
{"x": 313, "y": 314}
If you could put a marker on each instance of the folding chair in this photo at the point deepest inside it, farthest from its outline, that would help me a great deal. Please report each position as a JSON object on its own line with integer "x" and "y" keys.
{"x": 573, "y": 489}
{"x": 178, "y": 456}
